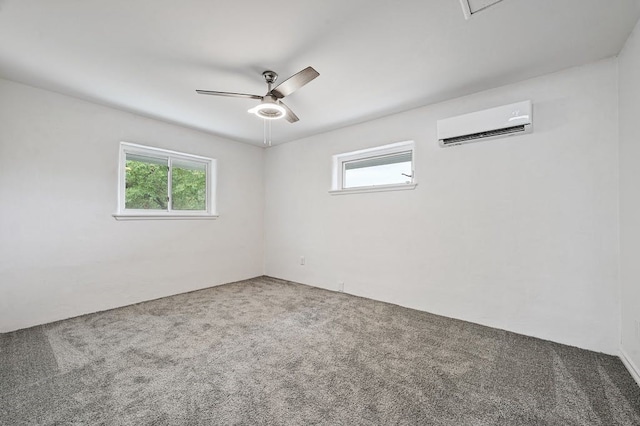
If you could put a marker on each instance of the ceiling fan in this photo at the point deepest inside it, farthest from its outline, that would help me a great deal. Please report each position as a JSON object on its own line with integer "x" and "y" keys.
{"x": 271, "y": 107}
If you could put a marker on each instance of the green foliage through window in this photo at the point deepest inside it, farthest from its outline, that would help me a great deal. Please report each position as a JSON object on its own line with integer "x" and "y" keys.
{"x": 189, "y": 187}
{"x": 147, "y": 184}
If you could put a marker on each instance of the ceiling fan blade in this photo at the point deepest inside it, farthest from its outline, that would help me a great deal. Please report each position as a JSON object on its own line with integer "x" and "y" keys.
{"x": 291, "y": 117}
{"x": 229, "y": 94}
{"x": 294, "y": 82}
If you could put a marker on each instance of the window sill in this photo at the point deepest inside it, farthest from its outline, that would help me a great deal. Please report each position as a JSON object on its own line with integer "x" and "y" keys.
{"x": 381, "y": 188}
{"x": 125, "y": 216}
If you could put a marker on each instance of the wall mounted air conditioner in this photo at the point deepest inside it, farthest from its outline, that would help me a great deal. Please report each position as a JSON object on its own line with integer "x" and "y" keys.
{"x": 507, "y": 120}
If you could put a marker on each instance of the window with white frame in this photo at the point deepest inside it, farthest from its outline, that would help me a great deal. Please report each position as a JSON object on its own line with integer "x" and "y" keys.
{"x": 158, "y": 183}
{"x": 387, "y": 167}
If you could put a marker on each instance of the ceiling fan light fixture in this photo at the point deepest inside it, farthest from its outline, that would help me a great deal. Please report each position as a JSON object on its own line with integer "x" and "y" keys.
{"x": 269, "y": 109}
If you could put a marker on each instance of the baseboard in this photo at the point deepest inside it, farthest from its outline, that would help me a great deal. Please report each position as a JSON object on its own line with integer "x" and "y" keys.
{"x": 633, "y": 370}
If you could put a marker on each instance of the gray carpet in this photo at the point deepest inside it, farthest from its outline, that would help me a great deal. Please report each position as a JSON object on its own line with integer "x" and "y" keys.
{"x": 269, "y": 352}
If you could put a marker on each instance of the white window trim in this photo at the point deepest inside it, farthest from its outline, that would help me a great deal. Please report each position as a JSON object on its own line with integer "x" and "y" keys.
{"x": 141, "y": 214}
{"x": 394, "y": 148}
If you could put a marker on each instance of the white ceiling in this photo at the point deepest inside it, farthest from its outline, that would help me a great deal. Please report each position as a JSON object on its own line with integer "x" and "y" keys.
{"x": 375, "y": 57}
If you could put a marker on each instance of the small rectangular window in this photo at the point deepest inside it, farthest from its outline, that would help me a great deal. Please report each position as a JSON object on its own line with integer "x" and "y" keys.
{"x": 158, "y": 183}
{"x": 387, "y": 167}
{"x": 383, "y": 170}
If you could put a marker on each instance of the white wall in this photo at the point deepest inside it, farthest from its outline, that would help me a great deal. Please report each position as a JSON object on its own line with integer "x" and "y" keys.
{"x": 519, "y": 233}
{"x": 629, "y": 70}
{"x": 62, "y": 254}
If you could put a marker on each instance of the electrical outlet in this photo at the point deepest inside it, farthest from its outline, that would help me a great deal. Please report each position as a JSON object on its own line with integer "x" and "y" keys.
{"x": 341, "y": 286}
{"x": 302, "y": 260}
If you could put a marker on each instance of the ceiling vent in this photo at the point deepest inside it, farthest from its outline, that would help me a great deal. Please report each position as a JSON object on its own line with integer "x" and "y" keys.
{"x": 506, "y": 120}
{"x": 471, "y": 7}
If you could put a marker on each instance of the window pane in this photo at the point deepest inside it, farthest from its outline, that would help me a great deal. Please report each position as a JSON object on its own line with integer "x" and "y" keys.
{"x": 146, "y": 182}
{"x": 189, "y": 185}
{"x": 401, "y": 157}
{"x": 384, "y": 170}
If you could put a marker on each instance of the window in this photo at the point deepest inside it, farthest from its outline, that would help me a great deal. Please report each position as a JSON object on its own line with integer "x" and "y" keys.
{"x": 383, "y": 168}
{"x": 155, "y": 183}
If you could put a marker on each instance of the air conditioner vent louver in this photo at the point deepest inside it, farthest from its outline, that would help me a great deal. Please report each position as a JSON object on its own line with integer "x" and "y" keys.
{"x": 482, "y": 135}
{"x": 493, "y": 123}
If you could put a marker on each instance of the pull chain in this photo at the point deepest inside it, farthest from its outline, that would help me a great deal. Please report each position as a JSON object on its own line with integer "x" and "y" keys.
{"x": 266, "y": 131}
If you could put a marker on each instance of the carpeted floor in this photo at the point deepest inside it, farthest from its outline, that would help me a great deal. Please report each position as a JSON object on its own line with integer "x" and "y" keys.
{"x": 269, "y": 352}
